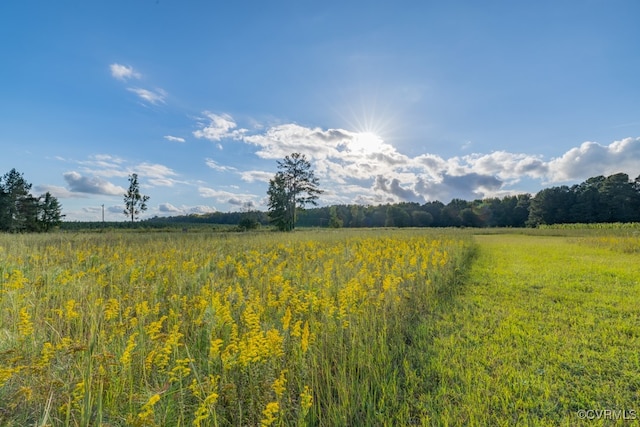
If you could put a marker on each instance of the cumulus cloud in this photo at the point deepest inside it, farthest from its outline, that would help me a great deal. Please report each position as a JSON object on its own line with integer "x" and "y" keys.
{"x": 91, "y": 185}
{"x": 123, "y": 72}
{"x": 394, "y": 188}
{"x": 469, "y": 186}
{"x": 174, "y": 138}
{"x": 592, "y": 158}
{"x": 219, "y": 127}
{"x": 282, "y": 140}
{"x": 59, "y": 192}
{"x": 506, "y": 165}
{"x": 153, "y": 97}
{"x": 361, "y": 166}
{"x": 169, "y": 208}
{"x": 107, "y": 166}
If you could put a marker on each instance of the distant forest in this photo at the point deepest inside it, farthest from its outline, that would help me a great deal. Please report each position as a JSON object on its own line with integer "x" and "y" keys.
{"x": 600, "y": 199}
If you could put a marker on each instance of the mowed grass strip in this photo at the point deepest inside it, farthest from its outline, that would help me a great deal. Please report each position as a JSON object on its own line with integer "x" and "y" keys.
{"x": 546, "y": 327}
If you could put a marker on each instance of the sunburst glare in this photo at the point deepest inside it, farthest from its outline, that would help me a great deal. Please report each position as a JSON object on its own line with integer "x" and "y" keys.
{"x": 366, "y": 143}
{"x": 374, "y": 123}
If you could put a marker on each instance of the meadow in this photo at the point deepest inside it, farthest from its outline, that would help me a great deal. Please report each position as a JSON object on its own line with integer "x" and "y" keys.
{"x": 142, "y": 329}
{"x": 320, "y": 328}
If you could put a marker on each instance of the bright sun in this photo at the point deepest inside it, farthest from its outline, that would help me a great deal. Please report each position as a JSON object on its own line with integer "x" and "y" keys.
{"x": 366, "y": 143}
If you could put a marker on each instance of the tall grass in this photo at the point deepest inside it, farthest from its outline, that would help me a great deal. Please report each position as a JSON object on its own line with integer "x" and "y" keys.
{"x": 313, "y": 328}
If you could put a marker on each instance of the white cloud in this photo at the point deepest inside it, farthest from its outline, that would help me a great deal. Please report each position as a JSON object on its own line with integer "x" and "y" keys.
{"x": 506, "y": 165}
{"x": 252, "y": 176}
{"x": 123, "y": 72}
{"x": 59, "y": 192}
{"x": 215, "y": 166}
{"x": 169, "y": 208}
{"x": 153, "y": 97}
{"x": 219, "y": 127}
{"x": 107, "y": 158}
{"x": 591, "y": 159}
{"x": 154, "y": 170}
{"x": 283, "y": 140}
{"x": 107, "y": 166}
{"x": 174, "y": 138}
{"x": 361, "y": 166}
{"x": 91, "y": 185}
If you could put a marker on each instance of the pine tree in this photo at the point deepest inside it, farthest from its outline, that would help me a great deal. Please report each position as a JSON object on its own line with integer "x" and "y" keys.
{"x": 50, "y": 212}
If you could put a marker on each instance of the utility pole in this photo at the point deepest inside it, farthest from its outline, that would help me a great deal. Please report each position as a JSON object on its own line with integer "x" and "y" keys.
{"x": 103, "y": 213}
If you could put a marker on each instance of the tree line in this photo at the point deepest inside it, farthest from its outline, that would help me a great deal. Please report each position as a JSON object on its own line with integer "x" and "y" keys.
{"x": 20, "y": 211}
{"x": 615, "y": 198}
{"x": 599, "y": 199}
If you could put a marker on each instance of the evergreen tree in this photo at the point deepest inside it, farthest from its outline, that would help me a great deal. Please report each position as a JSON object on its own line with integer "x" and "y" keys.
{"x": 50, "y": 213}
{"x": 292, "y": 187}
{"x": 15, "y": 202}
{"x": 20, "y": 211}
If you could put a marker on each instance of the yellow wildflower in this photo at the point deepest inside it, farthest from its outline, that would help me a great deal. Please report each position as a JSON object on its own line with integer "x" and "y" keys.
{"x": 214, "y": 348}
{"x": 306, "y": 399}
{"x": 280, "y": 384}
{"x": 286, "y": 319}
{"x": 146, "y": 415}
{"x": 25, "y": 326}
{"x": 125, "y": 359}
{"x": 70, "y": 310}
{"x": 111, "y": 309}
{"x": 304, "y": 339}
{"x": 270, "y": 414}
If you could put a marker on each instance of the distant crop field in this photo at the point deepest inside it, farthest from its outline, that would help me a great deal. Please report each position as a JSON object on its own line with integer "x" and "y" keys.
{"x": 309, "y": 328}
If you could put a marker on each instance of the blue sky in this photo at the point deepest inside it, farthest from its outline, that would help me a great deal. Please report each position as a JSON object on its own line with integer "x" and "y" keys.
{"x": 390, "y": 100}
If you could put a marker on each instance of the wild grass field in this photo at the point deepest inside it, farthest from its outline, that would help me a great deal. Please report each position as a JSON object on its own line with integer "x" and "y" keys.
{"x": 322, "y": 328}
{"x": 176, "y": 329}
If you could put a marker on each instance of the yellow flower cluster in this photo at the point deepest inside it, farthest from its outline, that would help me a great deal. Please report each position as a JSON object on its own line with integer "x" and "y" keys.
{"x": 232, "y": 326}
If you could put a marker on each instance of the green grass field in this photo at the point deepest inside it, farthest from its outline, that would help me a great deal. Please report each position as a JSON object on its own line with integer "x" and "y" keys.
{"x": 321, "y": 328}
{"x": 546, "y": 327}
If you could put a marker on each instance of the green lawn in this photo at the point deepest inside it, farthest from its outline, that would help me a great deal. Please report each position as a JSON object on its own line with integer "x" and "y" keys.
{"x": 545, "y": 327}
